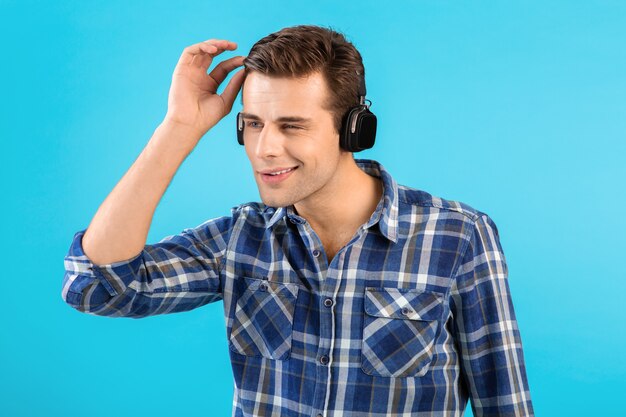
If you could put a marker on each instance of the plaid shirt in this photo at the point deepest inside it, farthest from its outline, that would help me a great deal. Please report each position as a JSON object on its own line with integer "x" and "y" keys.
{"x": 411, "y": 318}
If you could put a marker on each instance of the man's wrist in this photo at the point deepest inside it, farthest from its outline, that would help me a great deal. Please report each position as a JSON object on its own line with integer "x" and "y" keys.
{"x": 178, "y": 136}
{"x": 170, "y": 124}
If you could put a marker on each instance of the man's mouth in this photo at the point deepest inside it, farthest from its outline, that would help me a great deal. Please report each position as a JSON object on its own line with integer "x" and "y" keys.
{"x": 281, "y": 172}
{"x": 275, "y": 176}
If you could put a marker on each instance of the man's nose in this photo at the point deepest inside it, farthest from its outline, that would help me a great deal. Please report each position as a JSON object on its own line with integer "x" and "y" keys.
{"x": 269, "y": 142}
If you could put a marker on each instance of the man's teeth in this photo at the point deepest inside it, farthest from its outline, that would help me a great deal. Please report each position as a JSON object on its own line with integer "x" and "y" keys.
{"x": 281, "y": 172}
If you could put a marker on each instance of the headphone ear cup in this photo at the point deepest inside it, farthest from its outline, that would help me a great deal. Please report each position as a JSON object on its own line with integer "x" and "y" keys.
{"x": 346, "y": 137}
{"x": 365, "y": 130}
{"x": 239, "y": 129}
{"x": 358, "y": 130}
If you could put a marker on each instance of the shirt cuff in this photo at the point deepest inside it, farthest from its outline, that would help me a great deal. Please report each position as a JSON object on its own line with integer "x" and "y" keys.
{"x": 115, "y": 277}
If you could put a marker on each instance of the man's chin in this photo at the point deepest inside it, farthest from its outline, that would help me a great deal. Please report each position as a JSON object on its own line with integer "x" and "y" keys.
{"x": 275, "y": 202}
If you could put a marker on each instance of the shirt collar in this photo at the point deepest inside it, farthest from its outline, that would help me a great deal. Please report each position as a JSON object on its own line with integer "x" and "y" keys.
{"x": 385, "y": 214}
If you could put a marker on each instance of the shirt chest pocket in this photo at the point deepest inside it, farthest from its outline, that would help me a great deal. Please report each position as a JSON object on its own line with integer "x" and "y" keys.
{"x": 263, "y": 319}
{"x": 399, "y": 330}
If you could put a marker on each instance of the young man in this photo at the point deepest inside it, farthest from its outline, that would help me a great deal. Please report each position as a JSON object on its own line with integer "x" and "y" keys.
{"x": 344, "y": 292}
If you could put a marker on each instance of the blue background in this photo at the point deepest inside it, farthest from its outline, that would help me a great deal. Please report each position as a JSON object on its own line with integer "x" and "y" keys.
{"x": 516, "y": 108}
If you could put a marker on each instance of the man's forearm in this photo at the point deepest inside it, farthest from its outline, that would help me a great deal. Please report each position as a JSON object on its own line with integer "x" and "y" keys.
{"x": 119, "y": 229}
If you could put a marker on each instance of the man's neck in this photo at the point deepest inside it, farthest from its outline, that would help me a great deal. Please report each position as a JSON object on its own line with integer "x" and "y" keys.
{"x": 347, "y": 205}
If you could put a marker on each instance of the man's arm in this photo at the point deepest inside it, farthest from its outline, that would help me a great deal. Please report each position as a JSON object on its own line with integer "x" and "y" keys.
{"x": 119, "y": 229}
{"x": 110, "y": 270}
{"x": 179, "y": 273}
{"x": 486, "y": 331}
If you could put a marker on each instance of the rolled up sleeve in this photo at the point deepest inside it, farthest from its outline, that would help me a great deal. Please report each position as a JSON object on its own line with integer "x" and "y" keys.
{"x": 486, "y": 329}
{"x": 179, "y": 273}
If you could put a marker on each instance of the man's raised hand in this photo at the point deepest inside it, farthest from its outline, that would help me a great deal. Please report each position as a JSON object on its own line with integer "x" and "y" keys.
{"x": 193, "y": 100}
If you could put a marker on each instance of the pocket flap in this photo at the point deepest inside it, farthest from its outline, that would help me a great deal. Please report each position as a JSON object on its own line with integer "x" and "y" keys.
{"x": 398, "y": 303}
{"x": 272, "y": 287}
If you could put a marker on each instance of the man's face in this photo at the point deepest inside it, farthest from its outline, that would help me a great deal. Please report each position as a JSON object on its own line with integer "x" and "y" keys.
{"x": 286, "y": 128}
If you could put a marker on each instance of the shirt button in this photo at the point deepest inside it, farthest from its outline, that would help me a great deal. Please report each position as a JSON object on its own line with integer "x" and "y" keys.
{"x": 320, "y": 415}
{"x": 406, "y": 311}
{"x": 316, "y": 253}
{"x": 328, "y": 302}
{"x": 293, "y": 221}
{"x": 263, "y": 287}
{"x": 324, "y": 360}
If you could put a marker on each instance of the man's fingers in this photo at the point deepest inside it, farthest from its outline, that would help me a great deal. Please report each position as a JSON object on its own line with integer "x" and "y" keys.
{"x": 222, "y": 69}
{"x": 205, "y": 51}
{"x": 230, "y": 92}
{"x": 226, "y": 44}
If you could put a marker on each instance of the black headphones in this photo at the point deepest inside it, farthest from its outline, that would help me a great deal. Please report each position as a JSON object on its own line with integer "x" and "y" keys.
{"x": 358, "y": 125}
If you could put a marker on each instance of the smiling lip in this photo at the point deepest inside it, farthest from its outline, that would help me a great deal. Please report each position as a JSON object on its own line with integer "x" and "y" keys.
{"x": 275, "y": 179}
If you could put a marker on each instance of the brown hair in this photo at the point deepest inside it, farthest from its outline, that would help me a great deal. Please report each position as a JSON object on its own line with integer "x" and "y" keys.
{"x": 298, "y": 51}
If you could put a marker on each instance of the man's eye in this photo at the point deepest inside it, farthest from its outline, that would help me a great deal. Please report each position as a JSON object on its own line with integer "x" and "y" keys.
{"x": 291, "y": 127}
{"x": 252, "y": 124}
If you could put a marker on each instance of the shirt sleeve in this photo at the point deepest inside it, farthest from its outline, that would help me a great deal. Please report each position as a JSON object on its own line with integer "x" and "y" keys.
{"x": 485, "y": 328}
{"x": 179, "y": 273}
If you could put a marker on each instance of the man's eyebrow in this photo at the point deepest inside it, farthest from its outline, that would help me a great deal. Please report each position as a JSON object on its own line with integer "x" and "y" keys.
{"x": 289, "y": 119}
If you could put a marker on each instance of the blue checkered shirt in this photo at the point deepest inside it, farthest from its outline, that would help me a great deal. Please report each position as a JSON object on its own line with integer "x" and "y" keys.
{"x": 412, "y": 317}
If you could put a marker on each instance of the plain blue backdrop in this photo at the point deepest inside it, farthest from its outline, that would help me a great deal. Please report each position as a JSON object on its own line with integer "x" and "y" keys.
{"x": 516, "y": 108}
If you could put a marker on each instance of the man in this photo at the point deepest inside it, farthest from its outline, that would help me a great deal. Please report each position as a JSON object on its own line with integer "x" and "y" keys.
{"x": 344, "y": 292}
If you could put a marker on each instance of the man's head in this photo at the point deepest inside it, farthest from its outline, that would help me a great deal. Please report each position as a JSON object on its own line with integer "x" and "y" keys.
{"x": 300, "y": 82}
{"x": 299, "y": 51}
